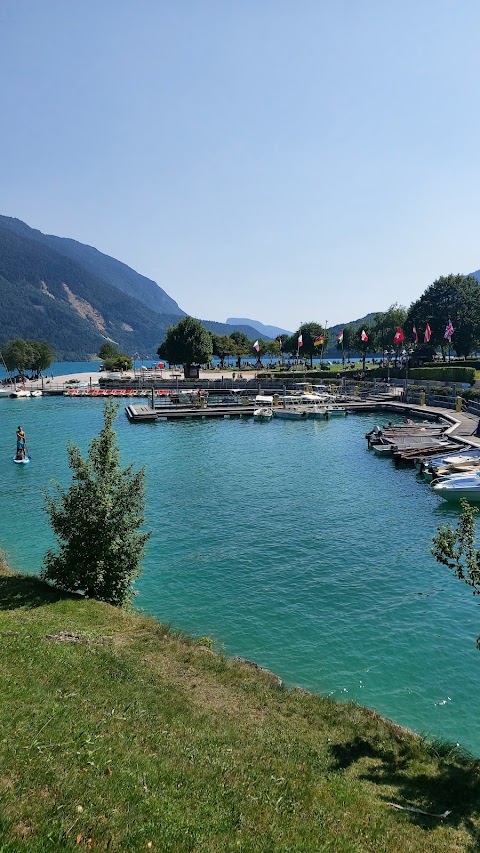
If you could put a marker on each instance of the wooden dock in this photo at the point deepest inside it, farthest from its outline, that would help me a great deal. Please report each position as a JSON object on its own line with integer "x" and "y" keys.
{"x": 142, "y": 413}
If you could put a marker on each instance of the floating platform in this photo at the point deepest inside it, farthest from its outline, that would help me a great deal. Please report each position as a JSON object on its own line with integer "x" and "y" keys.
{"x": 143, "y": 413}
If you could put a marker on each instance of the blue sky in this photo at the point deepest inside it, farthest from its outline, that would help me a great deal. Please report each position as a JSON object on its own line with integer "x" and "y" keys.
{"x": 284, "y": 161}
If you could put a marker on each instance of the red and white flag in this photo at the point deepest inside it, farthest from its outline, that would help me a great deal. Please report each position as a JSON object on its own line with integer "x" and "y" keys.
{"x": 449, "y": 330}
{"x": 415, "y": 334}
{"x": 300, "y": 341}
{"x": 340, "y": 337}
{"x": 398, "y": 336}
{"x": 428, "y": 334}
{"x": 364, "y": 336}
{"x": 256, "y": 346}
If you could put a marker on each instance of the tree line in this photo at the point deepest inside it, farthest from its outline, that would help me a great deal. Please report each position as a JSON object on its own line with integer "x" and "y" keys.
{"x": 446, "y": 317}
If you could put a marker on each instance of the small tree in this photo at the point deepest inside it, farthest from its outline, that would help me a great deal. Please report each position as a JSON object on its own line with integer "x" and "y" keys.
{"x": 187, "y": 343}
{"x": 457, "y": 549}
{"x": 97, "y": 521}
{"x": 242, "y": 346}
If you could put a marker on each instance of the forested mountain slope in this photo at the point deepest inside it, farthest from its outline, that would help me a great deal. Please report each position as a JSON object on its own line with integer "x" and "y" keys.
{"x": 109, "y": 269}
{"x": 44, "y": 295}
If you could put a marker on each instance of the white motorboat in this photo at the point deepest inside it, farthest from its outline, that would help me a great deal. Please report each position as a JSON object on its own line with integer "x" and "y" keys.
{"x": 459, "y": 486}
{"x": 263, "y": 410}
{"x": 291, "y": 413}
{"x": 336, "y": 411}
{"x": 317, "y": 412}
{"x": 19, "y": 392}
{"x": 36, "y": 393}
{"x": 425, "y": 466}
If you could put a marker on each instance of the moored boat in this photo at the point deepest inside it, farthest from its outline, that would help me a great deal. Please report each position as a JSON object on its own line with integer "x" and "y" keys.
{"x": 263, "y": 410}
{"x": 291, "y": 413}
{"x": 459, "y": 486}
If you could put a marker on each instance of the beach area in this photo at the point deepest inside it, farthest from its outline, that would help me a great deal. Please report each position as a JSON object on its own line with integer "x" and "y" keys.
{"x": 60, "y": 381}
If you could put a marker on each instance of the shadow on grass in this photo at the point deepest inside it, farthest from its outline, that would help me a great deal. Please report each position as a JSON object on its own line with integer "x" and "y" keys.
{"x": 27, "y": 591}
{"x": 433, "y": 777}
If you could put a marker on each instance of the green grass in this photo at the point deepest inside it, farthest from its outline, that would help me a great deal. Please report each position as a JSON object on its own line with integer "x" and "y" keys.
{"x": 118, "y": 734}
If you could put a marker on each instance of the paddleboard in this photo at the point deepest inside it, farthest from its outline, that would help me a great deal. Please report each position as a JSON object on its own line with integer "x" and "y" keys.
{"x": 21, "y": 461}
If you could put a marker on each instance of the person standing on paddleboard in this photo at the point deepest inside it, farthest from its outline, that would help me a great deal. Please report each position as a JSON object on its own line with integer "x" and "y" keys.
{"x": 21, "y": 442}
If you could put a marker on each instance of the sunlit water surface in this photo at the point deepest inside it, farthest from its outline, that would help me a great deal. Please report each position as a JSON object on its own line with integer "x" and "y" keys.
{"x": 289, "y": 543}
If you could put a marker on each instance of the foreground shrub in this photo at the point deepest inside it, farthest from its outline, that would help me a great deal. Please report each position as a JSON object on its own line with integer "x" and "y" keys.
{"x": 97, "y": 521}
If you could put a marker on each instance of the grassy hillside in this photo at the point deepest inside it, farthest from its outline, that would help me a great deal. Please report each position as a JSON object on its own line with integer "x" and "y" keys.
{"x": 119, "y": 735}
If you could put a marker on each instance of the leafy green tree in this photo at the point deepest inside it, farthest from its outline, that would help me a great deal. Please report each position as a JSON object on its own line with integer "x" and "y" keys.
{"x": 290, "y": 344}
{"x": 243, "y": 346}
{"x": 223, "y": 346}
{"x": 455, "y": 298}
{"x": 187, "y": 343}
{"x": 360, "y": 344}
{"x": 385, "y": 325}
{"x": 122, "y": 361}
{"x": 113, "y": 359}
{"x": 25, "y": 355}
{"x": 272, "y": 348}
{"x": 457, "y": 549}
{"x": 43, "y": 355}
{"x": 309, "y": 332}
{"x": 108, "y": 350}
{"x": 348, "y": 342}
{"x": 97, "y": 521}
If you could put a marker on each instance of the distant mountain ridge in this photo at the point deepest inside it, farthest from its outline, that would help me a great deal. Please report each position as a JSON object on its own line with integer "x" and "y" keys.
{"x": 268, "y": 332}
{"x": 76, "y": 298}
{"x": 109, "y": 269}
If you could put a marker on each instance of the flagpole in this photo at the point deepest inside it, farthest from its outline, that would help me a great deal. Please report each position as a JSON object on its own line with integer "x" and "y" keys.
{"x": 324, "y": 336}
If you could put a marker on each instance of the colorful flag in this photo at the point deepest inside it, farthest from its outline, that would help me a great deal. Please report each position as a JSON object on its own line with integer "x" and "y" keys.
{"x": 340, "y": 337}
{"x": 364, "y": 336}
{"x": 300, "y": 341}
{"x": 256, "y": 346}
{"x": 415, "y": 334}
{"x": 398, "y": 336}
{"x": 449, "y": 330}
{"x": 428, "y": 334}
{"x": 318, "y": 342}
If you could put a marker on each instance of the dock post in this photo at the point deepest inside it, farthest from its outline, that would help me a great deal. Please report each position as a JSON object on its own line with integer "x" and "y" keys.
{"x": 422, "y": 398}
{"x": 458, "y": 404}
{"x": 153, "y": 397}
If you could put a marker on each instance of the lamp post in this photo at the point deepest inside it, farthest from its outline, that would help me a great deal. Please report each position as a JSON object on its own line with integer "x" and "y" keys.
{"x": 408, "y": 352}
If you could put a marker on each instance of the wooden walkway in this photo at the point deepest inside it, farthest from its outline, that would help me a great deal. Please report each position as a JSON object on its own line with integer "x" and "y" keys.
{"x": 142, "y": 413}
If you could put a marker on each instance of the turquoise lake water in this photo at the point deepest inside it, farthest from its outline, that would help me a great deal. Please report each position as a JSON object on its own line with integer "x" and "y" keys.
{"x": 289, "y": 543}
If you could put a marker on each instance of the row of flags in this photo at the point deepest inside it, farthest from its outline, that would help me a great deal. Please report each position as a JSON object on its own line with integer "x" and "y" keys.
{"x": 398, "y": 337}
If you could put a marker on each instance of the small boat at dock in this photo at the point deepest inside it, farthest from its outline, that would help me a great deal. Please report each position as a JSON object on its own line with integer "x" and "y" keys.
{"x": 459, "y": 486}
{"x": 263, "y": 410}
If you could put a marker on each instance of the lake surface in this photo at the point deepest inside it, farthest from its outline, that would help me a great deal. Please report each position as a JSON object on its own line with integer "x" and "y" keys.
{"x": 59, "y": 368}
{"x": 289, "y": 543}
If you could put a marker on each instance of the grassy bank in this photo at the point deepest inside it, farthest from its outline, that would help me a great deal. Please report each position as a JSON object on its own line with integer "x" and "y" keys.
{"x": 120, "y": 735}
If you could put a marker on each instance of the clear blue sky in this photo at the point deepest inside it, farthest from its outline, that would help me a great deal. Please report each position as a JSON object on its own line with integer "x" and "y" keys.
{"x": 285, "y": 161}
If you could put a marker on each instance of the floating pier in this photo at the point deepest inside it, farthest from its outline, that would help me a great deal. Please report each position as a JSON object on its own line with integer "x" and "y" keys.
{"x": 143, "y": 413}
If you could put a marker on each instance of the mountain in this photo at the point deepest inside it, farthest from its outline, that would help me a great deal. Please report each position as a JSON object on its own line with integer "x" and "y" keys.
{"x": 267, "y": 332}
{"x": 74, "y": 303}
{"x": 227, "y": 329}
{"x": 114, "y": 272}
{"x": 45, "y": 296}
